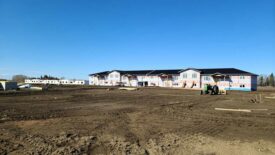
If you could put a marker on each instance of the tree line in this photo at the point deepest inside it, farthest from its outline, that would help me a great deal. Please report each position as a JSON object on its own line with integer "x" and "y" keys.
{"x": 266, "y": 80}
{"x": 48, "y": 77}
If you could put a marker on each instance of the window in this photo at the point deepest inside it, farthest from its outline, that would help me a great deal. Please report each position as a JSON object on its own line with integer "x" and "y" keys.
{"x": 194, "y": 75}
{"x": 116, "y": 76}
{"x": 242, "y": 85}
{"x": 175, "y": 78}
{"x": 242, "y": 77}
{"x": 206, "y": 78}
{"x": 184, "y": 75}
{"x": 111, "y": 76}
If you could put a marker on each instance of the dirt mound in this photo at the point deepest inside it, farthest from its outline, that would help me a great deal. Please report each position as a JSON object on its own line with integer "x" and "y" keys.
{"x": 64, "y": 143}
{"x": 168, "y": 144}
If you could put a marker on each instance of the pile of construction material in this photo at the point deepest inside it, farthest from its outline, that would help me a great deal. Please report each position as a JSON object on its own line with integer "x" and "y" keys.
{"x": 128, "y": 88}
{"x": 30, "y": 87}
{"x": 272, "y": 96}
{"x": 6, "y": 85}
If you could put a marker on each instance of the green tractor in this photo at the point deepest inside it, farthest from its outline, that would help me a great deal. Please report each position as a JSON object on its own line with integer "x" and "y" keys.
{"x": 212, "y": 90}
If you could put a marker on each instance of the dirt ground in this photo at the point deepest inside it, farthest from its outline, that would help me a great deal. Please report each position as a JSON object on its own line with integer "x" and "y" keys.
{"x": 150, "y": 121}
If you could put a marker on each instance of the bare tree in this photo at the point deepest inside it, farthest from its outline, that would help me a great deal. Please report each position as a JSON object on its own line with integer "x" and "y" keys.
{"x": 19, "y": 78}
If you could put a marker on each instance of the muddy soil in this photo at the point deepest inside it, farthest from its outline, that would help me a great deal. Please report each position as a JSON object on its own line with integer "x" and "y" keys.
{"x": 148, "y": 121}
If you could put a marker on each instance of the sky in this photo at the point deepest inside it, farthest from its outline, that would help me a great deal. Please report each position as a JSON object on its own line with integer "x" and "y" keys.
{"x": 73, "y": 38}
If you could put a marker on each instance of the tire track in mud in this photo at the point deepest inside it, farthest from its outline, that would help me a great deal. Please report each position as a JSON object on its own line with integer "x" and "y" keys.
{"x": 196, "y": 118}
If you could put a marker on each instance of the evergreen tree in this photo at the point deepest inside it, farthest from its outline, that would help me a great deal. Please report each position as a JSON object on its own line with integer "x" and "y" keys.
{"x": 266, "y": 81}
{"x": 271, "y": 80}
{"x": 261, "y": 80}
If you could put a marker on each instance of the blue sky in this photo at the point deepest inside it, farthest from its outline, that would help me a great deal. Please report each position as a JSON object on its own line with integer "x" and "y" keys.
{"x": 72, "y": 38}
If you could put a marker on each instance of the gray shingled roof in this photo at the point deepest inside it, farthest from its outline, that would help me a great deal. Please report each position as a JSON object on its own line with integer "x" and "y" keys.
{"x": 226, "y": 71}
{"x": 209, "y": 71}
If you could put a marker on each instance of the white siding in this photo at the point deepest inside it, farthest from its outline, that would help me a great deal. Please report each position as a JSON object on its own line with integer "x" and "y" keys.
{"x": 114, "y": 78}
{"x": 190, "y": 80}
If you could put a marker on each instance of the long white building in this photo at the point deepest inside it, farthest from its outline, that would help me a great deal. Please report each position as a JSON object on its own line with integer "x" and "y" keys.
{"x": 192, "y": 78}
{"x": 56, "y": 82}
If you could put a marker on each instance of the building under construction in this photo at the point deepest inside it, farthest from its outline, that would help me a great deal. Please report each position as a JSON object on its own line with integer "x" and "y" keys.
{"x": 192, "y": 78}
